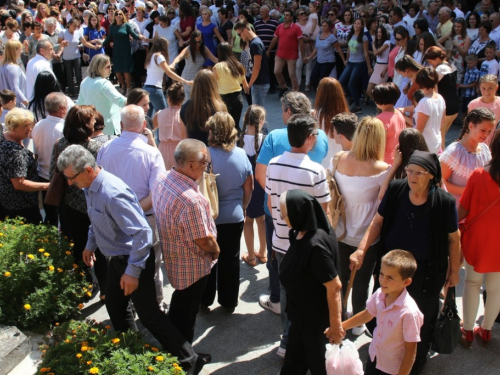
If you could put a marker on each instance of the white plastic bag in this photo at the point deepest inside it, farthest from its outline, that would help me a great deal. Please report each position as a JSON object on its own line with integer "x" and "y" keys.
{"x": 343, "y": 360}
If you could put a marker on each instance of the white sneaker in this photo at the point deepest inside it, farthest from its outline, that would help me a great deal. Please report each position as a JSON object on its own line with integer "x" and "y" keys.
{"x": 357, "y": 331}
{"x": 281, "y": 352}
{"x": 265, "y": 302}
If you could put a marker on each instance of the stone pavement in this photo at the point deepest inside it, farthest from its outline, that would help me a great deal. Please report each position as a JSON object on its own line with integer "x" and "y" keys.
{"x": 246, "y": 341}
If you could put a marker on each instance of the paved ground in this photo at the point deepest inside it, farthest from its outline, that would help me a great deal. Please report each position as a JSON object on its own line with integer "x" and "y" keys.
{"x": 246, "y": 341}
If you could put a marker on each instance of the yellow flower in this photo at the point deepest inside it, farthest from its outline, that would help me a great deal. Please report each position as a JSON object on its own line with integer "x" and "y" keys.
{"x": 27, "y": 307}
{"x": 46, "y": 254}
{"x": 79, "y": 355}
{"x": 94, "y": 370}
{"x": 21, "y": 253}
{"x": 2, "y": 245}
{"x": 57, "y": 324}
{"x": 51, "y": 268}
{"x": 115, "y": 340}
{"x": 1, "y": 234}
{"x": 150, "y": 368}
{"x": 159, "y": 358}
{"x": 80, "y": 306}
{"x": 68, "y": 252}
{"x": 146, "y": 345}
{"x": 7, "y": 274}
{"x": 176, "y": 366}
{"x": 71, "y": 244}
{"x": 59, "y": 270}
{"x": 84, "y": 348}
{"x": 75, "y": 266}
{"x": 153, "y": 349}
{"x": 89, "y": 362}
{"x": 41, "y": 250}
{"x": 31, "y": 256}
{"x": 108, "y": 327}
{"x": 67, "y": 341}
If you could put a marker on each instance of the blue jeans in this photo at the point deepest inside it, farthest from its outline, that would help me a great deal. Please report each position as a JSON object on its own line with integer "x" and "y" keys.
{"x": 351, "y": 79}
{"x": 259, "y": 93}
{"x": 156, "y": 98}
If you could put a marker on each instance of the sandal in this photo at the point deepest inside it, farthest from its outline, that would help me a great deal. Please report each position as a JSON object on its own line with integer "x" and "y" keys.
{"x": 247, "y": 260}
{"x": 262, "y": 259}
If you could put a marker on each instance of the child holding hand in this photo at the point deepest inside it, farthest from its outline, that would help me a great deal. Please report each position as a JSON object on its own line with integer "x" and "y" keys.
{"x": 394, "y": 345}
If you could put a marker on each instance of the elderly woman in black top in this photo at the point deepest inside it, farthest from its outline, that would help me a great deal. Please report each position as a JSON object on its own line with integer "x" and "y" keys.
{"x": 416, "y": 215}
{"x": 309, "y": 271}
{"x": 78, "y": 129}
{"x": 19, "y": 184}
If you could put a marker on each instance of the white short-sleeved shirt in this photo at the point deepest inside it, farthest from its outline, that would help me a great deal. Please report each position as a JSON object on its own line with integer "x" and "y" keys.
{"x": 155, "y": 72}
{"x": 435, "y": 109}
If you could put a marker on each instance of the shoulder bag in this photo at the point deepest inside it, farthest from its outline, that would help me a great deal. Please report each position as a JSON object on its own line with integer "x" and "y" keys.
{"x": 336, "y": 206}
{"x": 55, "y": 192}
{"x": 208, "y": 187}
{"x": 447, "y": 328}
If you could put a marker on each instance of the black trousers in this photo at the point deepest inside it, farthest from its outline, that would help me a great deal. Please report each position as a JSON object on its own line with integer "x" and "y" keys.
{"x": 428, "y": 303}
{"x": 60, "y": 74}
{"x": 234, "y": 104}
{"x": 150, "y": 315}
{"x": 371, "y": 369}
{"x": 139, "y": 70}
{"x": 305, "y": 351}
{"x": 319, "y": 72}
{"x": 51, "y": 212}
{"x": 225, "y": 275}
{"x": 31, "y": 215}
{"x": 184, "y": 307}
{"x": 363, "y": 275}
{"x": 76, "y": 227}
{"x": 273, "y": 82}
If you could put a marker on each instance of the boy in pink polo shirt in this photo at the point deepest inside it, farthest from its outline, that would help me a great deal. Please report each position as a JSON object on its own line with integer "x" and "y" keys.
{"x": 394, "y": 344}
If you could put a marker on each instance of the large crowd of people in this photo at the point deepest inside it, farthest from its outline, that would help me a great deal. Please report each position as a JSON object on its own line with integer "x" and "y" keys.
{"x": 137, "y": 104}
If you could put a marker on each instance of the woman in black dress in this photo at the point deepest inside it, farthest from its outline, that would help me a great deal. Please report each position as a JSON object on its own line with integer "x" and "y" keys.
{"x": 309, "y": 272}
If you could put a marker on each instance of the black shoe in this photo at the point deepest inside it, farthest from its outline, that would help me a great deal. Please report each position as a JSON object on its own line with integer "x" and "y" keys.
{"x": 283, "y": 91}
{"x": 356, "y": 109}
{"x": 418, "y": 366}
{"x": 206, "y": 358}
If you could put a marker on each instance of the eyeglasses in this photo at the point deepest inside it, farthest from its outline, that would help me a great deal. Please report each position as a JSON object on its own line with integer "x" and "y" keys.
{"x": 302, "y": 14}
{"x": 107, "y": 67}
{"x": 204, "y": 163}
{"x": 411, "y": 172}
{"x": 399, "y": 39}
{"x": 171, "y": 13}
{"x": 118, "y": 15}
{"x": 331, "y": 14}
{"x": 72, "y": 178}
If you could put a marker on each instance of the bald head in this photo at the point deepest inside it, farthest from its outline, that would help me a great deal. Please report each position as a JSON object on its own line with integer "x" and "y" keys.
{"x": 188, "y": 150}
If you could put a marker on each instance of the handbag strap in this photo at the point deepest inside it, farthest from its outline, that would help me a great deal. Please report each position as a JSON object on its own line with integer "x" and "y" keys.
{"x": 449, "y": 301}
{"x": 336, "y": 161}
{"x": 467, "y": 225}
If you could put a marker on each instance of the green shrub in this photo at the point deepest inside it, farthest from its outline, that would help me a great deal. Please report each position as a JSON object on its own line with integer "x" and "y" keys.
{"x": 39, "y": 280}
{"x": 89, "y": 348}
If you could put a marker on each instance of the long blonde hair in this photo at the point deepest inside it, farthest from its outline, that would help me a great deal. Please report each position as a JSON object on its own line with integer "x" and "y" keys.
{"x": 369, "y": 140}
{"x": 11, "y": 48}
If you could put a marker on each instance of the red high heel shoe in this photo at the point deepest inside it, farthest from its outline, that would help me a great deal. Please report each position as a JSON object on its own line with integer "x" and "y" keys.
{"x": 484, "y": 334}
{"x": 467, "y": 338}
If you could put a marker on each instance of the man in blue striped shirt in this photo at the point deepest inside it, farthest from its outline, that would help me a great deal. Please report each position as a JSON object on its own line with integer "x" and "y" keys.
{"x": 120, "y": 230}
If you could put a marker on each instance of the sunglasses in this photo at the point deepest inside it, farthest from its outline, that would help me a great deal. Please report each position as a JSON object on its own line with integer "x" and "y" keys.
{"x": 331, "y": 14}
{"x": 171, "y": 13}
{"x": 302, "y": 14}
{"x": 399, "y": 39}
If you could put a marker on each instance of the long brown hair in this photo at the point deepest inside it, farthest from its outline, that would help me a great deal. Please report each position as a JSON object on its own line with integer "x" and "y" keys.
{"x": 192, "y": 45}
{"x": 253, "y": 117}
{"x": 204, "y": 100}
{"x": 330, "y": 101}
{"x": 495, "y": 158}
{"x": 159, "y": 45}
{"x": 225, "y": 54}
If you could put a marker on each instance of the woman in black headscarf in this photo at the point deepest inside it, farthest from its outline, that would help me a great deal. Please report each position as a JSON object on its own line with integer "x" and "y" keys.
{"x": 309, "y": 273}
{"x": 415, "y": 214}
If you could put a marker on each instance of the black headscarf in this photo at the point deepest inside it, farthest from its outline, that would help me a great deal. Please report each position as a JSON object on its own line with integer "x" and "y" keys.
{"x": 429, "y": 162}
{"x": 304, "y": 212}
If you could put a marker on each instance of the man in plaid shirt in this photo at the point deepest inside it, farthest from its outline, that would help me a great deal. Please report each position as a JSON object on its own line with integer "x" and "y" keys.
{"x": 471, "y": 78}
{"x": 187, "y": 232}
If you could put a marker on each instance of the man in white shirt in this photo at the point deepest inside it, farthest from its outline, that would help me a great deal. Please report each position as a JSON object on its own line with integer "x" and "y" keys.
{"x": 137, "y": 163}
{"x": 396, "y": 19}
{"x": 103, "y": 6}
{"x": 451, "y": 4}
{"x": 495, "y": 28}
{"x": 44, "y": 134}
{"x": 41, "y": 62}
